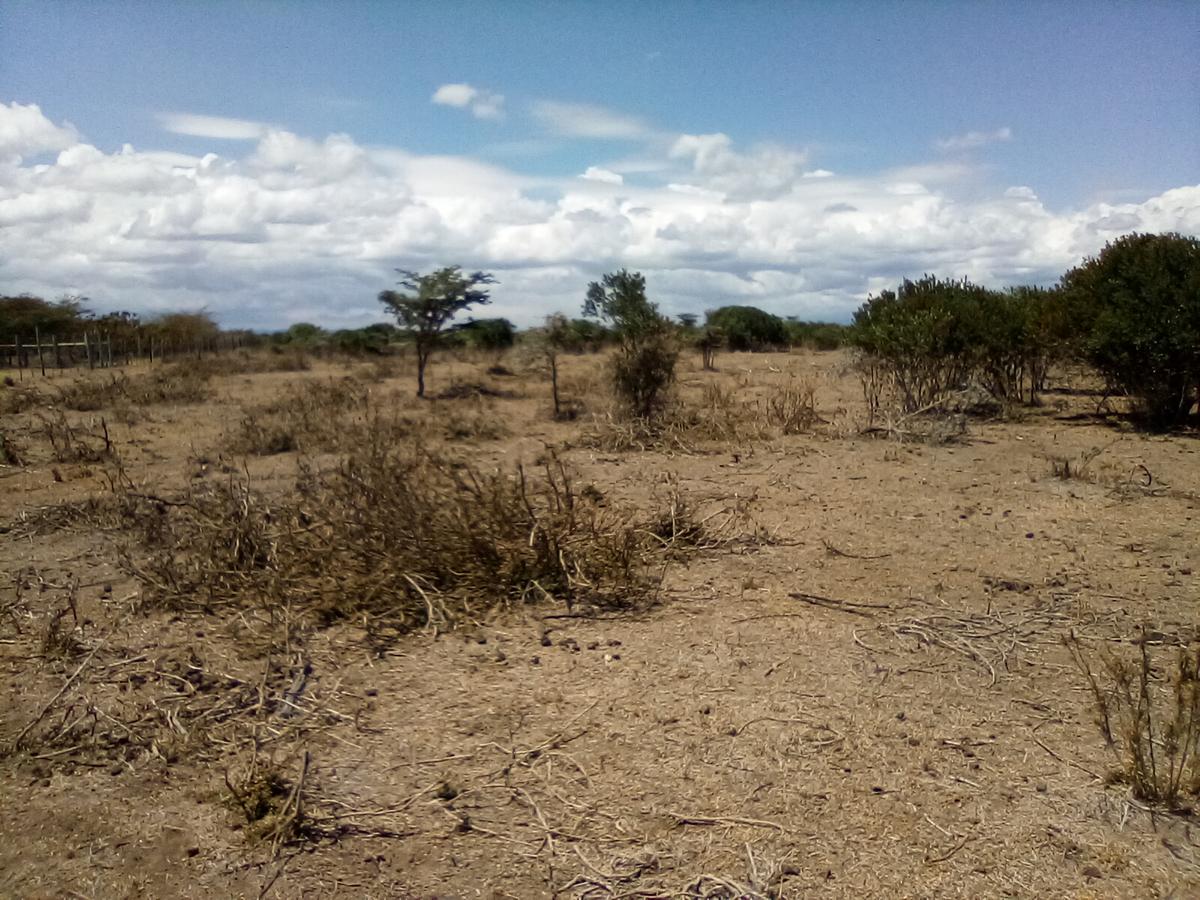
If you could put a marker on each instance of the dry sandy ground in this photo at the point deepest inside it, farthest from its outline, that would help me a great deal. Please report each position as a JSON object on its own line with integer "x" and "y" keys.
{"x": 876, "y": 701}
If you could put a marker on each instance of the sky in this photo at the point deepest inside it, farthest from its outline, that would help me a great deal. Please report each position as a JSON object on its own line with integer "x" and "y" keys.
{"x": 276, "y": 162}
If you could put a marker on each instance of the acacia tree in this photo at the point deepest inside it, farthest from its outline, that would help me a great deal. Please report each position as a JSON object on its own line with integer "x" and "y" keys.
{"x": 428, "y": 303}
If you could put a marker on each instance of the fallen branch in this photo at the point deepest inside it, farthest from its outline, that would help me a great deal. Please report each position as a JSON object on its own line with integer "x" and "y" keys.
{"x": 847, "y": 606}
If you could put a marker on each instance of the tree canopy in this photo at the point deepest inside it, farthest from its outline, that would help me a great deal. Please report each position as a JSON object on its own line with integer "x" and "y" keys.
{"x": 428, "y": 303}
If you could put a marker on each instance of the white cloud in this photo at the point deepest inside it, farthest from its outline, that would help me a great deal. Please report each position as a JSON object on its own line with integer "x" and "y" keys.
{"x": 596, "y": 173}
{"x": 483, "y": 104}
{"x": 217, "y": 127}
{"x": 24, "y": 130}
{"x": 972, "y": 140}
{"x": 583, "y": 120}
{"x": 295, "y": 227}
{"x": 768, "y": 170}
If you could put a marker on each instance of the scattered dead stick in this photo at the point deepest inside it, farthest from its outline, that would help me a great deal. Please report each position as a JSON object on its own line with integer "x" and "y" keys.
{"x": 837, "y": 551}
{"x": 931, "y": 860}
{"x": 17, "y": 741}
{"x": 1067, "y": 761}
{"x": 294, "y": 806}
{"x": 725, "y": 820}
{"x": 847, "y": 606}
{"x": 792, "y": 721}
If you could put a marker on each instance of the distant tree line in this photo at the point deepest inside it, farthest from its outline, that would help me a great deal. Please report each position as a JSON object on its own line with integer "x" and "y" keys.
{"x": 1132, "y": 313}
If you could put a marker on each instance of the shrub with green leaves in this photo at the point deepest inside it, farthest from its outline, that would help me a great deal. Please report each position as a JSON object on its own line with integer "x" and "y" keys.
{"x": 935, "y": 336}
{"x": 1138, "y": 304}
{"x": 643, "y": 368}
{"x": 748, "y": 328}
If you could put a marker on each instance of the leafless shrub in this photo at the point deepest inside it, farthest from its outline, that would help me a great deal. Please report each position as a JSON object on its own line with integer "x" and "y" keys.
{"x": 11, "y": 452}
{"x": 792, "y": 409}
{"x": 247, "y": 362}
{"x": 75, "y": 443}
{"x": 400, "y": 533}
{"x": 175, "y": 383}
{"x": 17, "y": 397}
{"x": 478, "y": 422}
{"x": 313, "y": 416}
{"x": 271, "y": 806}
{"x": 1150, "y": 718}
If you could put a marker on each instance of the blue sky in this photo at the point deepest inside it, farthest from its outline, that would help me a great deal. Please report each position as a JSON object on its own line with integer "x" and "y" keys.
{"x": 742, "y": 152}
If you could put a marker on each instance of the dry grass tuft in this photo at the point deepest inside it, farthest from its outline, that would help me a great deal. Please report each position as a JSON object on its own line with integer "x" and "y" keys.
{"x": 792, "y": 409}
{"x": 1150, "y": 718}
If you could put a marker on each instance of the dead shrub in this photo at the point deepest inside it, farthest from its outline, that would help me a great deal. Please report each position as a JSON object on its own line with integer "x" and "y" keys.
{"x": 315, "y": 416}
{"x": 1150, "y": 718}
{"x": 721, "y": 417}
{"x": 16, "y": 397}
{"x": 272, "y": 806}
{"x": 11, "y": 452}
{"x": 175, "y": 383}
{"x": 792, "y": 409}
{"x": 245, "y": 362}
{"x": 402, "y": 534}
{"x": 476, "y": 423}
{"x": 74, "y": 443}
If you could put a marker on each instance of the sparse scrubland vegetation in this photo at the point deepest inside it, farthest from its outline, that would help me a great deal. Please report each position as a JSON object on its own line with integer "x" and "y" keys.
{"x": 616, "y": 606}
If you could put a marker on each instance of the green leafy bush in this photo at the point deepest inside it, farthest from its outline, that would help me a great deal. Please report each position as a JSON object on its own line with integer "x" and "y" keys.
{"x": 748, "y": 328}
{"x": 643, "y": 368}
{"x": 1138, "y": 303}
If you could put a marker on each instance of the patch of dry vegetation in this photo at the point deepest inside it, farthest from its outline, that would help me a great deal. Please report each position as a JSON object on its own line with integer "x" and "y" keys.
{"x": 1149, "y": 715}
{"x": 720, "y": 418}
{"x": 341, "y": 414}
{"x": 415, "y": 538}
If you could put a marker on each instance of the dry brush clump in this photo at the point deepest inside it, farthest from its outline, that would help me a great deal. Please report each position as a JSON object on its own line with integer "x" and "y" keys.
{"x": 18, "y": 397}
{"x": 1149, "y": 715}
{"x": 399, "y": 533}
{"x": 73, "y": 442}
{"x": 720, "y": 417}
{"x": 313, "y": 416}
{"x": 175, "y": 383}
{"x": 342, "y": 414}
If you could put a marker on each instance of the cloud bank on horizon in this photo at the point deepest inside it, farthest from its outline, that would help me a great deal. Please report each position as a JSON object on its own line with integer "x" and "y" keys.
{"x": 272, "y": 227}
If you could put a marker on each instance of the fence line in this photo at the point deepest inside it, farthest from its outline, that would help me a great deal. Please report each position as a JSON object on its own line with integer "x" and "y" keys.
{"x": 99, "y": 351}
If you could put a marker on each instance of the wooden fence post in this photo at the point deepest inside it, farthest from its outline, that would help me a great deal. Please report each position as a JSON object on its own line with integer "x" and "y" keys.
{"x": 37, "y": 336}
{"x": 57, "y": 355}
{"x": 87, "y": 348}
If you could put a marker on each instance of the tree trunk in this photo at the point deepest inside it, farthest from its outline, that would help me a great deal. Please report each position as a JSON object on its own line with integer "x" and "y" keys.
{"x": 422, "y": 358}
{"x": 554, "y": 386}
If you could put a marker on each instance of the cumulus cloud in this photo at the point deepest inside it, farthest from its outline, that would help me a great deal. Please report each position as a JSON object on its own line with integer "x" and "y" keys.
{"x": 766, "y": 171}
{"x": 583, "y": 120}
{"x": 972, "y": 140}
{"x": 295, "y": 228}
{"x": 596, "y": 173}
{"x": 217, "y": 127}
{"x": 482, "y": 104}
{"x": 25, "y": 130}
